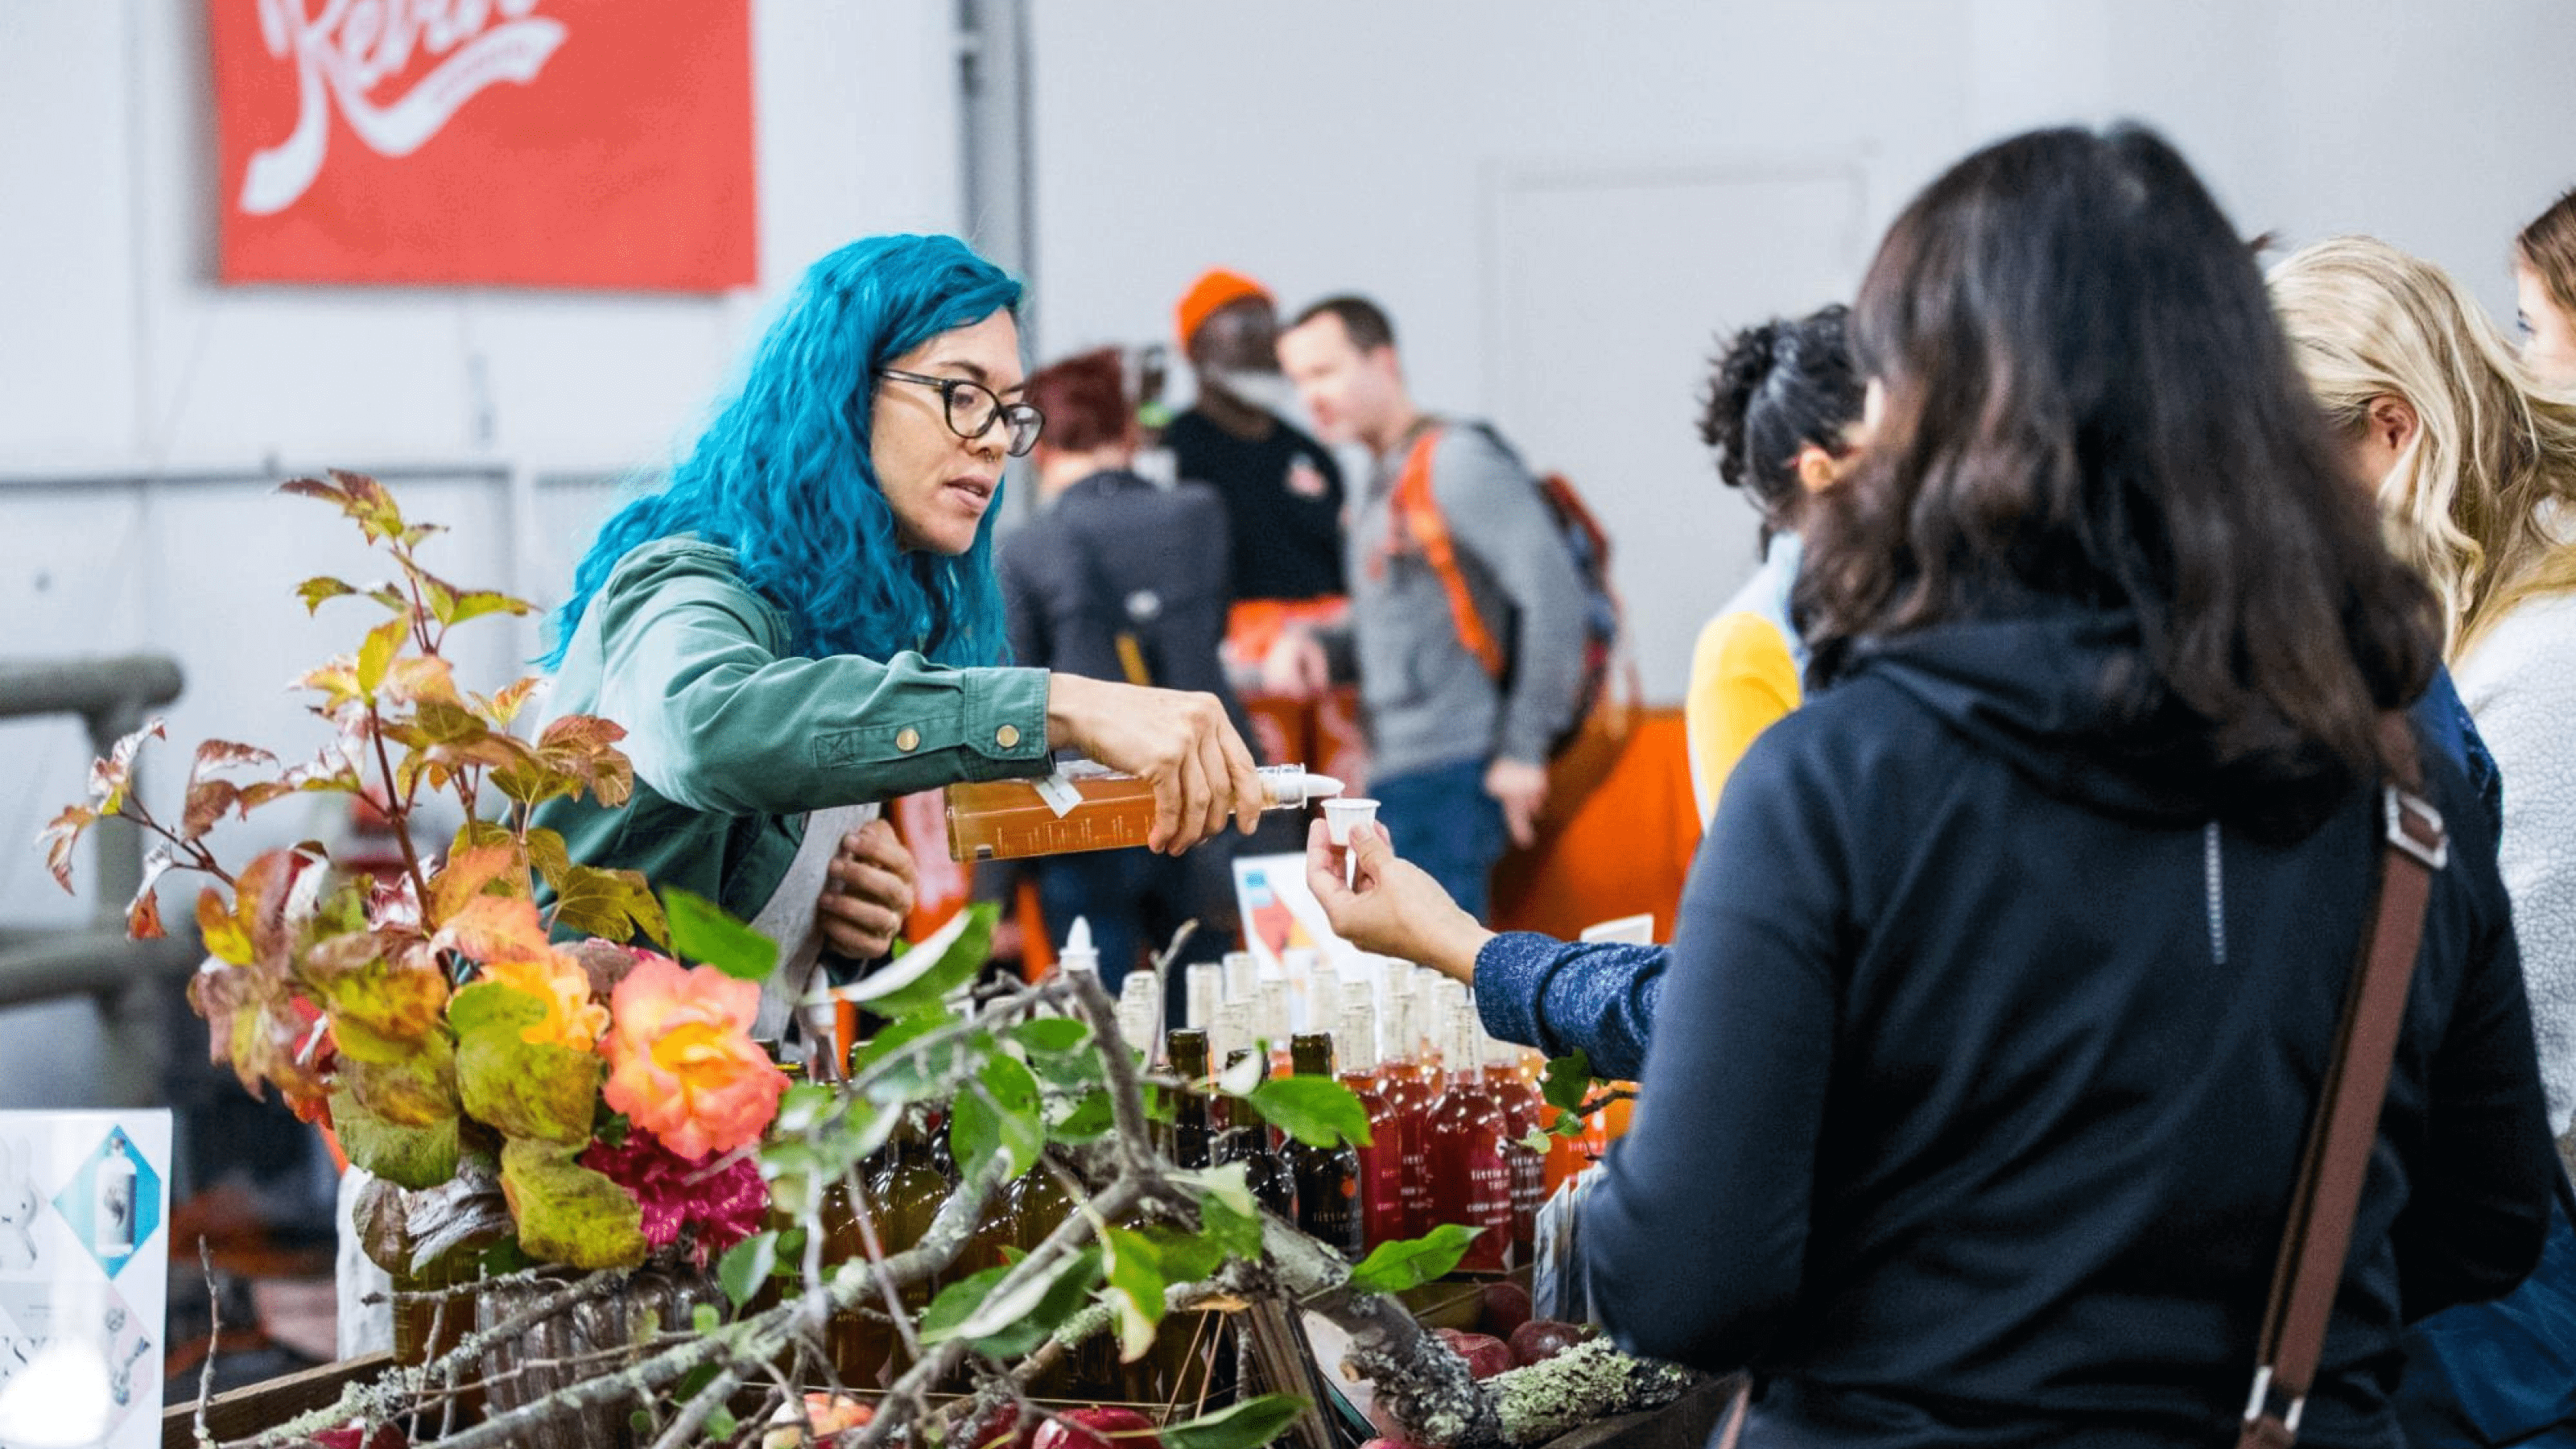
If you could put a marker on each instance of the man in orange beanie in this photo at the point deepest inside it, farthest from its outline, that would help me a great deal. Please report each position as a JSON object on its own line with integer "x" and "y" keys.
{"x": 1282, "y": 489}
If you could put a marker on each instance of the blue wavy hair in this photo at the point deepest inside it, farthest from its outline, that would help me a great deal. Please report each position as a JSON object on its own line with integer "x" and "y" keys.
{"x": 782, "y": 475}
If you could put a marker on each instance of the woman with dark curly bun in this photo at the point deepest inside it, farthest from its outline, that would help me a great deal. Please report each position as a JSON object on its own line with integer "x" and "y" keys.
{"x": 1781, "y": 408}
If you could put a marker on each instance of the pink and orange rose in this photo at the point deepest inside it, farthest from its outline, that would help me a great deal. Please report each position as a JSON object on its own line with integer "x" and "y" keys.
{"x": 572, "y": 1019}
{"x": 681, "y": 1061}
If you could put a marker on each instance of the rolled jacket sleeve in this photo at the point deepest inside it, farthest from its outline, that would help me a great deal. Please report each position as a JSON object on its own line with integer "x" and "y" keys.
{"x": 718, "y": 721}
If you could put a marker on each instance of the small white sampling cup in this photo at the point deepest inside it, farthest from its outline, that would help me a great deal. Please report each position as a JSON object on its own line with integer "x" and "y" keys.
{"x": 1341, "y": 815}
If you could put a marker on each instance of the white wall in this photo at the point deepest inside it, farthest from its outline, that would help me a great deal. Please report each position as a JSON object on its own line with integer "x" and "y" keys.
{"x": 144, "y": 410}
{"x": 1398, "y": 149}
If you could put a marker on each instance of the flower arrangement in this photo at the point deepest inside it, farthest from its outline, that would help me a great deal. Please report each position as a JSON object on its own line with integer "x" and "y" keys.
{"x": 434, "y": 1017}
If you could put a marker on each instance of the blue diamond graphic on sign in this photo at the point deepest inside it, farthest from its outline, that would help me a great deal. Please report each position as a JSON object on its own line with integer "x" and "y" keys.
{"x": 113, "y": 1203}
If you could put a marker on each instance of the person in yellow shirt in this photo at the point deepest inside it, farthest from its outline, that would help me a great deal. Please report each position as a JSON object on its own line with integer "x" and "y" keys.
{"x": 1784, "y": 399}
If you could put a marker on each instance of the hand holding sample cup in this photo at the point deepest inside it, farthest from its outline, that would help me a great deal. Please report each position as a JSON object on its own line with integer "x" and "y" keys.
{"x": 1388, "y": 905}
{"x": 1201, "y": 770}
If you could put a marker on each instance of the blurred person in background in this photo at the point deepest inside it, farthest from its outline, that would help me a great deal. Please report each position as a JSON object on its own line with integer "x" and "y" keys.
{"x": 1459, "y": 737}
{"x": 1779, "y": 413}
{"x": 1116, "y": 578}
{"x": 2474, "y": 469}
{"x": 1977, "y": 1123}
{"x": 806, "y": 621}
{"x": 1282, "y": 489}
{"x": 2544, "y": 289}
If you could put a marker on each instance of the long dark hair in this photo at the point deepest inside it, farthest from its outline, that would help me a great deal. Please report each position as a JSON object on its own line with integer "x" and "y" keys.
{"x": 1777, "y": 388}
{"x": 2087, "y": 401}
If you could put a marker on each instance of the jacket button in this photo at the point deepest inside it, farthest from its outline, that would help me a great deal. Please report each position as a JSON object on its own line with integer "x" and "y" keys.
{"x": 907, "y": 739}
{"x": 1008, "y": 737}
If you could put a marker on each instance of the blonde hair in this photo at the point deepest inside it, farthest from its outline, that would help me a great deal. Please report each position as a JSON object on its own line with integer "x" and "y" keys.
{"x": 2469, "y": 499}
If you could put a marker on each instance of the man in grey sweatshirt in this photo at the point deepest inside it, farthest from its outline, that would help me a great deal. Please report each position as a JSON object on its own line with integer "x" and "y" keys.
{"x": 1458, "y": 750}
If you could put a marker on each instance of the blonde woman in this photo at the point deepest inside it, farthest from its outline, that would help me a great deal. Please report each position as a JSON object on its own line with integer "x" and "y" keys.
{"x": 2544, "y": 292}
{"x": 2474, "y": 465}
{"x": 2475, "y": 469}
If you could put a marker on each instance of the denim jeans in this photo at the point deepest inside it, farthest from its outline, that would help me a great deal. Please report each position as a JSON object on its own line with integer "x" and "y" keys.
{"x": 1442, "y": 820}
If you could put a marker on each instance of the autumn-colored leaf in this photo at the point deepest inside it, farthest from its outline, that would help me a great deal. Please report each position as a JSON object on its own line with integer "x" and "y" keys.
{"x": 59, "y": 838}
{"x": 567, "y": 1213}
{"x": 109, "y": 778}
{"x": 552, "y": 859}
{"x": 505, "y": 704}
{"x": 143, "y": 913}
{"x": 585, "y": 747}
{"x": 607, "y": 903}
{"x": 436, "y": 594}
{"x": 495, "y": 928}
{"x": 207, "y": 802}
{"x": 360, "y": 497}
{"x": 336, "y": 681}
{"x": 376, "y": 654}
{"x": 419, "y": 678}
{"x": 469, "y": 873}
{"x": 314, "y": 591}
{"x": 417, "y": 1091}
{"x": 475, "y": 603}
{"x": 225, "y": 755}
{"x": 372, "y": 981}
{"x": 224, "y": 937}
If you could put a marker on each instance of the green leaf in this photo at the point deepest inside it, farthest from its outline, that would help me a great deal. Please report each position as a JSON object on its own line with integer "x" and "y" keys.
{"x": 414, "y": 1157}
{"x": 418, "y": 1090}
{"x": 704, "y": 932}
{"x": 747, "y": 1265}
{"x": 475, "y": 603}
{"x": 1317, "y": 1111}
{"x": 376, "y": 655}
{"x": 1002, "y": 1118}
{"x": 1185, "y": 1257}
{"x": 1565, "y": 1082}
{"x": 947, "y": 959}
{"x": 1230, "y": 1185}
{"x": 1248, "y": 1425}
{"x": 804, "y": 1105}
{"x": 1010, "y": 1325}
{"x": 568, "y": 1213}
{"x": 1240, "y": 1077}
{"x": 1412, "y": 1262}
{"x": 1091, "y": 1119}
{"x": 1135, "y": 1290}
{"x": 553, "y": 860}
{"x": 1050, "y": 1035}
{"x": 534, "y": 1090}
{"x": 721, "y": 1424}
{"x": 315, "y": 590}
{"x": 1537, "y": 1141}
{"x": 705, "y": 1319}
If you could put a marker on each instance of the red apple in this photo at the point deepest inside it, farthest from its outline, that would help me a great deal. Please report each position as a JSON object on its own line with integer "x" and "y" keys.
{"x": 1485, "y": 1354}
{"x": 1542, "y": 1339}
{"x": 1504, "y": 1307}
{"x": 355, "y": 1436}
{"x": 999, "y": 1427}
{"x": 1098, "y": 1429}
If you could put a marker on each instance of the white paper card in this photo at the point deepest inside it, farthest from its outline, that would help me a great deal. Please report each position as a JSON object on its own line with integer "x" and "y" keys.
{"x": 84, "y": 1277}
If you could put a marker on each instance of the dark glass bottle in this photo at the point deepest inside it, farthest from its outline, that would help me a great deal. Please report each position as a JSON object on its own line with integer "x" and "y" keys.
{"x": 1328, "y": 1178}
{"x": 1471, "y": 1177}
{"x": 906, "y": 1194}
{"x": 1194, "y": 1127}
{"x": 1247, "y": 1140}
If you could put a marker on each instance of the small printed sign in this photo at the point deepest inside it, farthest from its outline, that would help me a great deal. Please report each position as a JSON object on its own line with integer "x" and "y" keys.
{"x": 84, "y": 1277}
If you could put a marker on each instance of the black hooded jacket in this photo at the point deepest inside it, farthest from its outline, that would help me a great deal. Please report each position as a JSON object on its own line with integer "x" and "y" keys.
{"x": 1978, "y": 1085}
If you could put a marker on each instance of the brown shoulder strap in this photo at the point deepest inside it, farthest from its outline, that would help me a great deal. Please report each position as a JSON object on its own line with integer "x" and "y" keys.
{"x": 2313, "y": 1247}
{"x": 1419, "y": 513}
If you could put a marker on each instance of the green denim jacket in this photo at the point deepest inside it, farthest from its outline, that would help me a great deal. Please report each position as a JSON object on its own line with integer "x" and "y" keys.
{"x": 734, "y": 740}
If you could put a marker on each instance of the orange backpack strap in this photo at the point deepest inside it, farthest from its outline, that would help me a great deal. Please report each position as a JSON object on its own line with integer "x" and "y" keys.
{"x": 1419, "y": 513}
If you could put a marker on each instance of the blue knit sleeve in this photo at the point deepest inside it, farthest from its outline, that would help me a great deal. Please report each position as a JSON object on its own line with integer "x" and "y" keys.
{"x": 1559, "y": 995}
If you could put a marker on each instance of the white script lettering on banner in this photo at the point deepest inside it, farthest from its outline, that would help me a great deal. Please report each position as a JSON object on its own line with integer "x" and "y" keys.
{"x": 350, "y": 47}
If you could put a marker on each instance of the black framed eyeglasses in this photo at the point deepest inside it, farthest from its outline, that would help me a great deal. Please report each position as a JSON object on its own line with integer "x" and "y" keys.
{"x": 972, "y": 409}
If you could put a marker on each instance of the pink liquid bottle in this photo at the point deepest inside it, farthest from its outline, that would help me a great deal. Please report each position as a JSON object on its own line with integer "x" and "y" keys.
{"x": 1409, "y": 1094}
{"x": 1471, "y": 1170}
{"x": 1385, "y": 1208}
{"x": 1520, "y": 1101}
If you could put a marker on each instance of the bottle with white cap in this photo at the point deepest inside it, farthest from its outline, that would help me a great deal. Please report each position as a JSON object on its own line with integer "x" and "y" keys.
{"x": 1202, "y": 986}
{"x": 1079, "y": 955}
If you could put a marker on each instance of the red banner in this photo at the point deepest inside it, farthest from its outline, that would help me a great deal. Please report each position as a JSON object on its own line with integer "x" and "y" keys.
{"x": 568, "y": 143}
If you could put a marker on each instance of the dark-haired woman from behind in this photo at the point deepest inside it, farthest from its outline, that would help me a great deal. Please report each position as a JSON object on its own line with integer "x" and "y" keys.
{"x": 1979, "y": 1122}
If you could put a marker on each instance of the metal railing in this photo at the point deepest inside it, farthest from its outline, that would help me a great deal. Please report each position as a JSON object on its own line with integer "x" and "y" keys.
{"x": 112, "y": 696}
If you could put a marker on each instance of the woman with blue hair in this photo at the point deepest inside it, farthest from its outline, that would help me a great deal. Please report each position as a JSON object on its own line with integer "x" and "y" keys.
{"x": 806, "y": 621}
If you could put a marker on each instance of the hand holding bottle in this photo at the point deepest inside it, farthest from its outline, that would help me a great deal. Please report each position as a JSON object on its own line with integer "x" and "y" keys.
{"x": 1394, "y": 908}
{"x": 1201, "y": 770}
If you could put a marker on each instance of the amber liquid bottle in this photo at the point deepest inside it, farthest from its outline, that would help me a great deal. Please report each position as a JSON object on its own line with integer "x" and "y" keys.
{"x": 1100, "y": 810}
{"x": 1471, "y": 1172}
{"x": 1328, "y": 1178}
{"x": 1409, "y": 1093}
{"x": 1519, "y": 1099}
{"x": 1383, "y": 1208}
{"x": 1248, "y": 1141}
{"x": 1194, "y": 1127}
{"x": 906, "y": 1194}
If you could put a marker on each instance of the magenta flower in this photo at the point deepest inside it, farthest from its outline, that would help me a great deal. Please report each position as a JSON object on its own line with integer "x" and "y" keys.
{"x": 717, "y": 1209}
